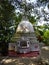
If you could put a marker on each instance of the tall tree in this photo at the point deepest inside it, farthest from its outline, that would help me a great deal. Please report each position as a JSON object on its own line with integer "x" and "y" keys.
{"x": 6, "y": 20}
{"x": 38, "y": 10}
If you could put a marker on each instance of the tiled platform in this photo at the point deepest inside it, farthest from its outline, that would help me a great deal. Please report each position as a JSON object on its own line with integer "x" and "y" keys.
{"x": 30, "y": 54}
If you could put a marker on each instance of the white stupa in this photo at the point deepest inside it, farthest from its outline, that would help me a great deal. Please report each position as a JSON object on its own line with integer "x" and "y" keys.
{"x": 25, "y": 41}
{"x": 25, "y": 26}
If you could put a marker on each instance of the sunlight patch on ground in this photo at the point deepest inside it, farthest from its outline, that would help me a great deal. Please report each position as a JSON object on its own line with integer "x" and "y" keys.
{"x": 33, "y": 57}
{"x": 46, "y": 48}
{"x": 21, "y": 63}
{"x": 8, "y": 61}
{"x": 31, "y": 64}
{"x": 45, "y": 60}
{"x": 11, "y": 60}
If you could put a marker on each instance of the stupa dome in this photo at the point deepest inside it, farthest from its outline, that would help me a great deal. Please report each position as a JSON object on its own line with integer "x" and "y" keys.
{"x": 25, "y": 26}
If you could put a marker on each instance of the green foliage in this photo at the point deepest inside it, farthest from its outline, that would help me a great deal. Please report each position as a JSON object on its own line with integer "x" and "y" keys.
{"x": 42, "y": 33}
{"x": 46, "y": 37}
{"x": 46, "y": 34}
{"x": 6, "y": 10}
{"x": 32, "y": 19}
{"x": 7, "y": 15}
{"x": 6, "y": 20}
{"x": 39, "y": 33}
{"x": 18, "y": 19}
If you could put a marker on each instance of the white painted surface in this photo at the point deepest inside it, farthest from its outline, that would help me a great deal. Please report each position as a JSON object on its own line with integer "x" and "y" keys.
{"x": 33, "y": 48}
{"x": 26, "y": 49}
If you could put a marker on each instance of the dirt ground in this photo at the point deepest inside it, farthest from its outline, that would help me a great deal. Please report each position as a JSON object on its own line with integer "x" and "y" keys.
{"x": 45, "y": 53}
{"x": 26, "y": 61}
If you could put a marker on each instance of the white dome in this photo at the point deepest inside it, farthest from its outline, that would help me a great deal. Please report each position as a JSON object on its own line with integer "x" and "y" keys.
{"x": 25, "y": 26}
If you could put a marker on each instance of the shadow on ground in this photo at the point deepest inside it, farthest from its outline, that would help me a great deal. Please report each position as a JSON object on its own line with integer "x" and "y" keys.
{"x": 45, "y": 53}
{"x": 18, "y": 61}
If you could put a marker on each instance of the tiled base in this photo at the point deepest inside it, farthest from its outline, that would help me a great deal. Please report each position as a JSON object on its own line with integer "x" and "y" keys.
{"x": 30, "y": 54}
